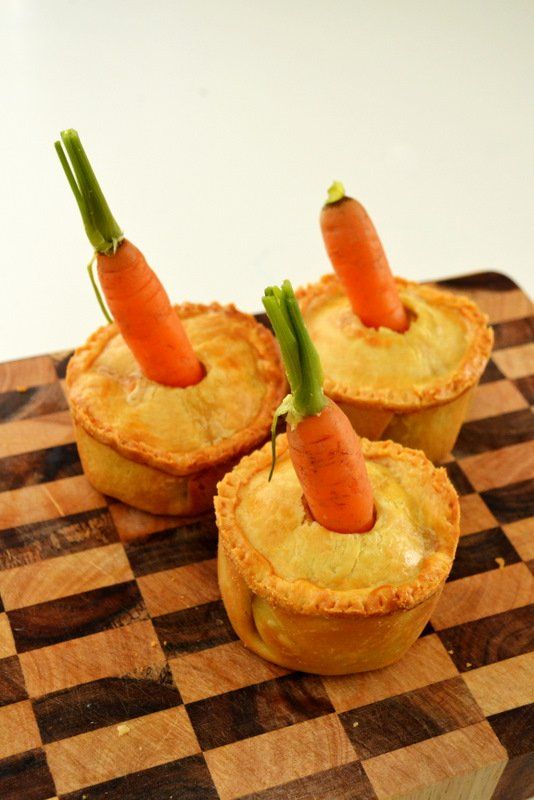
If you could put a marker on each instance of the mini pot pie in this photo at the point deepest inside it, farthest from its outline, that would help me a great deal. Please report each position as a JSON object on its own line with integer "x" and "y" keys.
{"x": 332, "y": 603}
{"x": 162, "y": 448}
{"x": 412, "y": 387}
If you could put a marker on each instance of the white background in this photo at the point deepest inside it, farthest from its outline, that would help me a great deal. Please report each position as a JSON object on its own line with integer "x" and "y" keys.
{"x": 215, "y": 127}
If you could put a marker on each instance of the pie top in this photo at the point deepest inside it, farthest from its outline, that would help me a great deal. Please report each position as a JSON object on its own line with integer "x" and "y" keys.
{"x": 181, "y": 430}
{"x": 441, "y": 355}
{"x": 296, "y": 563}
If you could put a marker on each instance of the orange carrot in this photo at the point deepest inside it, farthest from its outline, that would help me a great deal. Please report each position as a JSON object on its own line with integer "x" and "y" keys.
{"x": 324, "y": 448}
{"x": 358, "y": 258}
{"x": 148, "y": 323}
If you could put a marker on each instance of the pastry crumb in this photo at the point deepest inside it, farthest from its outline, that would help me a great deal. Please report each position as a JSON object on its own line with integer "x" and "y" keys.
{"x": 355, "y": 724}
{"x": 500, "y": 562}
{"x": 123, "y": 729}
{"x": 468, "y": 664}
{"x": 450, "y": 652}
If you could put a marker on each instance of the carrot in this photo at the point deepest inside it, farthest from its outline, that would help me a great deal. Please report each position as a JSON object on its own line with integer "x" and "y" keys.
{"x": 358, "y": 257}
{"x": 323, "y": 446}
{"x": 148, "y": 323}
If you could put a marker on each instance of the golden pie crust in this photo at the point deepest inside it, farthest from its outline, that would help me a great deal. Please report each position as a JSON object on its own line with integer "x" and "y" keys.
{"x": 163, "y": 448}
{"x": 311, "y": 599}
{"x": 413, "y": 387}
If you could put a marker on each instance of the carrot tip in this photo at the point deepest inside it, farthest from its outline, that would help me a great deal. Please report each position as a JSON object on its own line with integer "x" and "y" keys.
{"x": 335, "y": 192}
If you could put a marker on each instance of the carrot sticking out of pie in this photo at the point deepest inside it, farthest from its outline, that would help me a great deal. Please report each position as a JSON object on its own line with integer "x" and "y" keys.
{"x": 141, "y": 307}
{"x": 324, "y": 448}
{"x": 359, "y": 259}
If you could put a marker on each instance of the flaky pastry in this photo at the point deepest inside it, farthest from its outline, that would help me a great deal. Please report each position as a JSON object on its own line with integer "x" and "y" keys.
{"x": 163, "y": 448}
{"x": 311, "y": 599}
{"x": 413, "y": 387}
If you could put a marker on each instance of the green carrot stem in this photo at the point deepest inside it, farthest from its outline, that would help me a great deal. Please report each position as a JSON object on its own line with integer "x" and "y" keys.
{"x": 103, "y": 231}
{"x": 336, "y": 192}
{"x": 97, "y": 290}
{"x": 301, "y": 359}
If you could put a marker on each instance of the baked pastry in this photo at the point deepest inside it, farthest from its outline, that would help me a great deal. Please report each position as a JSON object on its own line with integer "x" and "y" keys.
{"x": 164, "y": 399}
{"x": 163, "y": 448}
{"x": 311, "y": 599}
{"x": 334, "y": 565}
{"x": 400, "y": 359}
{"x": 413, "y": 387}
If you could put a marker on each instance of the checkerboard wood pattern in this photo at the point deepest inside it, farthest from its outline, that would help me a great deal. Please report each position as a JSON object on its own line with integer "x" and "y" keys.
{"x": 122, "y": 679}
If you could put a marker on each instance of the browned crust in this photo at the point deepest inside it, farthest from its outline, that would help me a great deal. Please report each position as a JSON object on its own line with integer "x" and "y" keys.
{"x": 303, "y": 597}
{"x": 185, "y": 463}
{"x": 466, "y": 376}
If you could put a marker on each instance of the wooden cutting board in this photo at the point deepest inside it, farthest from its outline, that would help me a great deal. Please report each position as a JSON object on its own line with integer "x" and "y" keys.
{"x": 122, "y": 679}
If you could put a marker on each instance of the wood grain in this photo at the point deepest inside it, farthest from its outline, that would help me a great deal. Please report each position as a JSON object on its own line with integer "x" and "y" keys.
{"x": 32, "y": 402}
{"x": 347, "y": 782}
{"x": 116, "y": 652}
{"x": 193, "y": 629}
{"x": 426, "y": 662}
{"x": 494, "y": 433}
{"x": 27, "y": 435}
{"x": 48, "y": 501}
{"x": 99, "y": 755}
{"x": 495, "y": 692}
{"x": 179, "y": 588}
{"x": 98, "y": 653}
{"x": 133, "y": 524}
{"x": 220, "y": 669}
{"x": 253, "y": 710}
{"x": 12, "y": 689}
{"x": 500, "y": 467}
{"x": 493, "y": 399}
{"x": 513, "y": 333}
{"x": 190, "y": 774}
{"x": 482, "y": 595}
{"x": 465, "y": 763}
{"x": 41, "y": 466}
{"x": 500, "y": 306}
{"x": 76, "y": 615}
{"x": 175, "y": 547}
{"x": 516, "y": 362}
{"x": 65, "y": 575}
{"x": 511, "y": 503}
{"x": 405, "y": 719}
{"x": 474, "y": 515}
{"x": 19, "y": 375}
{"x": 481, "y": 552}
{"x": 490, "y": 639}
{"x": 27, "y": 776}
{"x": 521, "y": 534}
{"x": 7, "y": 643}
{"x": 302, "y": 749}
{"x": 28, "y": 544}
{"x": 19, "y": 729}
{"x": 108, "y": 701}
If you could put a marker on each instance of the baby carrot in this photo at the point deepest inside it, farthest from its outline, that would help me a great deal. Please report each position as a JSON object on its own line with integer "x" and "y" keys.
{"x": 148, "y": 323}
{"x": 358, "y": 258}
{"x": 324, "y": 448}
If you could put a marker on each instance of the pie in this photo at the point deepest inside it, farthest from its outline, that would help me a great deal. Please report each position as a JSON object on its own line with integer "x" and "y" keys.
{"x": 412, "y": 387}
{"x": 310, "y": 599}
{"x": 161, "y": 448}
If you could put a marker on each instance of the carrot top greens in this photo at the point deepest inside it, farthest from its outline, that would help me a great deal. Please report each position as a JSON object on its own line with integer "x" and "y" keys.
{"x": 336, "y": 192}
{"x": 101, "y": 227}
{"x": 301, "y": 360}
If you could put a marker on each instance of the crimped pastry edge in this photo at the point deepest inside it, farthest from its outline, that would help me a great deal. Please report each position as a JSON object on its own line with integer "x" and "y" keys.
{"x": 185, "y": 463}
{"x": 465, "y": 377}
{"x": 303, "y": 597}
